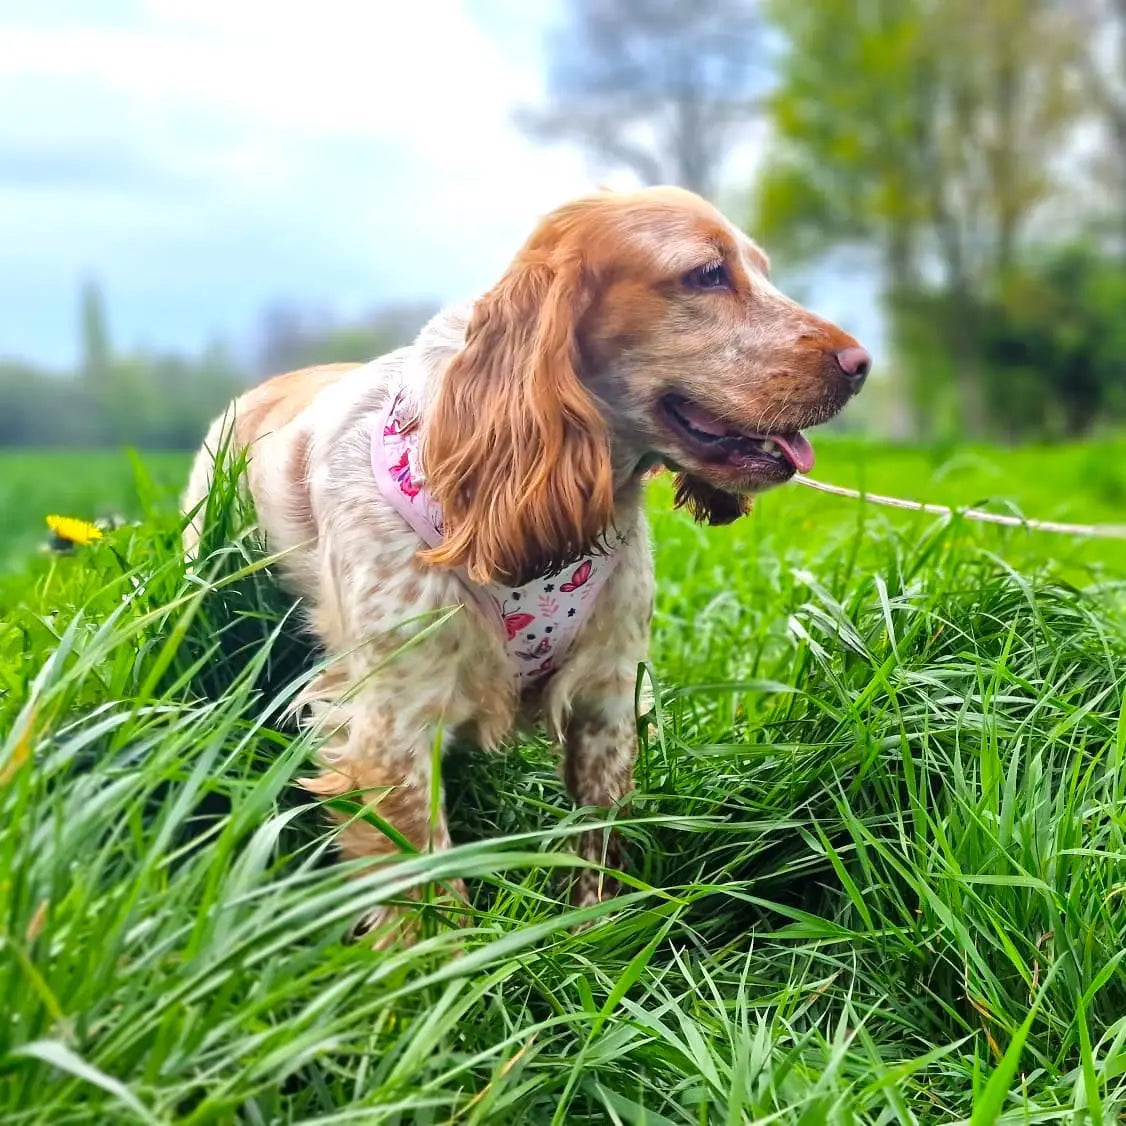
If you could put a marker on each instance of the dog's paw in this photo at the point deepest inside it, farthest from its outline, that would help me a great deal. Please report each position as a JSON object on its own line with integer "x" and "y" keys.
{"x": 384, "y": 927}
{"x": 399, "y": 924}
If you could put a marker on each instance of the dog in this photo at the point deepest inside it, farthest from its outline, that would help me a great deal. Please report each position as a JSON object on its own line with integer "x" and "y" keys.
{"x": 496, "y": 466}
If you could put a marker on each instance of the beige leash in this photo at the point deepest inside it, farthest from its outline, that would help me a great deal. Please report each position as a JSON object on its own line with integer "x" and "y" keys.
{"x": 1102, "y": 531}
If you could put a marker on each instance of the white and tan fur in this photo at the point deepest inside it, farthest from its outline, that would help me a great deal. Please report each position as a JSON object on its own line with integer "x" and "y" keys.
{"x": 551, "y": 379}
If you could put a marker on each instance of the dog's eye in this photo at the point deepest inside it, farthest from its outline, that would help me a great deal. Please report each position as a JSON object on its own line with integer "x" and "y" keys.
{"x": 712, "y": 276}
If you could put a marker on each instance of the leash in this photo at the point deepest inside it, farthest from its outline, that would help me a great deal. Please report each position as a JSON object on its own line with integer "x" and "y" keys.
{"x": 1100, "y": 531}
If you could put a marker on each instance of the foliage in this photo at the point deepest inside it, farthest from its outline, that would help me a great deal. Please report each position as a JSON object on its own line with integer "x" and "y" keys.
{"x": 849, "y": 112}
{"x": 1060, "y": 325}
{"x": 934, "y": 123}
{"x": 152, "y": 401}
{"x": 164, "y": 401}
{"x": 292, "y": 338}
{"x": 1051, "y": 342}
{"x": 930, "y": 132}
{"x": 877, "y": 849}
{"x": 96, "y": 350}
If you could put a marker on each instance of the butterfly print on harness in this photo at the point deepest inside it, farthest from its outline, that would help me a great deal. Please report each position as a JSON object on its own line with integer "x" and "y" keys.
{"x": 579, "y": 578}
{"x": 401, "y": 474}
{"x": 515, "y": 622}
{"x": 536, "y": 646}
{"x": 541, "y": 650}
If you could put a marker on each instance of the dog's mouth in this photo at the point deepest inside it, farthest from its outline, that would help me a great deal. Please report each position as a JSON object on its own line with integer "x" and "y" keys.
{"x": 770, "y": 457}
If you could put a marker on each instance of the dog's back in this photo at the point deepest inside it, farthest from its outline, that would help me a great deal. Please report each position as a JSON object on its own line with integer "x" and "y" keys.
{"x": 264, "y": 409}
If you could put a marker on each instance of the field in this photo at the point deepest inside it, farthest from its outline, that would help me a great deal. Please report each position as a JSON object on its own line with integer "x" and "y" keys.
{"x": 878, "y": 848}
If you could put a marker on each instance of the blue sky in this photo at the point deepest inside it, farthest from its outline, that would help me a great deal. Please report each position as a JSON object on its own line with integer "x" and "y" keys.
{"x": 203, "y": 158}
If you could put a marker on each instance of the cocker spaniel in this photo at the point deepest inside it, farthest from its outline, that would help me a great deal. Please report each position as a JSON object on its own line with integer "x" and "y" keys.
{"x": 496, "y": 465}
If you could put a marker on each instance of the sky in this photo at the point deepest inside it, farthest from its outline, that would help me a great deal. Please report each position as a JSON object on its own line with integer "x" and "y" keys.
{"x": 205, "y": 158}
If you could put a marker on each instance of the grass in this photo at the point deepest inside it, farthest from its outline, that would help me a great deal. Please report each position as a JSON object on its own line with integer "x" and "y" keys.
{"x": 87, "y": 483}
{"x": 878, "y": 850}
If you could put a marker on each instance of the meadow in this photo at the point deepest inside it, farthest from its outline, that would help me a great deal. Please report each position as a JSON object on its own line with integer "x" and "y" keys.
{"x": 877, "y": 849}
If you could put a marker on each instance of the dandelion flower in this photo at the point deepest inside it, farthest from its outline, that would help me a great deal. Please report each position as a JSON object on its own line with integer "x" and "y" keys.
{"x": 68, "y": 531}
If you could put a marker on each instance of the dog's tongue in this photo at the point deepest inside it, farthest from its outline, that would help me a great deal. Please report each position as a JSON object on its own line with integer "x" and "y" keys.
{"x": 797, "y": 448}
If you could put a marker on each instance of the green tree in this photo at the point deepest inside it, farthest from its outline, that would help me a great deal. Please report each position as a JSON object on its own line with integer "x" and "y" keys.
{"x": 1057, "y": 326}
{"x": 94, "y": 333}
{"x": 165, "y": 401}
{"x": 930, "y": 132}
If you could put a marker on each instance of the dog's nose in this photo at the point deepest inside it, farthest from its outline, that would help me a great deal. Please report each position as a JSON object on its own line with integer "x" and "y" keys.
{"x": 855, "y": 363}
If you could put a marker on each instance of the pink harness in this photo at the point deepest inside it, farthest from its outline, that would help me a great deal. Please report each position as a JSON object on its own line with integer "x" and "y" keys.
{"x": 537, "y": 621}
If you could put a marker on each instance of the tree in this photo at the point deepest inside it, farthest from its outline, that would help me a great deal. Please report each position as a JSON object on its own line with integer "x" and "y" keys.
{"x": 96, "y": 353}
{"x": 1057, "y": 326}
{"x": 292, "y": 338}
{"x": 1106, "y": 83}
{"x": 930, "y": 130}
{"x": 283, "y": 335}
{"x": 659, "y": 87}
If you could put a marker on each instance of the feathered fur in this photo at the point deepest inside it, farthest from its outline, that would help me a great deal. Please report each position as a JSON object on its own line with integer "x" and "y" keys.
{"x": 543, "y": 408}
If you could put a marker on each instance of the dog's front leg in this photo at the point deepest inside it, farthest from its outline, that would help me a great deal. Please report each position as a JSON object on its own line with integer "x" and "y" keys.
{"x": 600, "y": 746}
{"x": 597, "y": 697}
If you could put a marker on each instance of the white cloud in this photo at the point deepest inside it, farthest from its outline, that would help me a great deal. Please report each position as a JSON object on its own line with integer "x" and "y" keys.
{"x": 338, "y": 66}
{"x": 206, "y": 156}
{"x": 332, "y": 140}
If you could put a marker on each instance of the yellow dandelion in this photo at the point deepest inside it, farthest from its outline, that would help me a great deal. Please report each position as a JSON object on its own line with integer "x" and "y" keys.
{"x": 68, "y": 531}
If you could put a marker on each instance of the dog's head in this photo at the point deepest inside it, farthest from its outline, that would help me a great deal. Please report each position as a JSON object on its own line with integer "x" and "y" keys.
{"x": 630, "y": 329}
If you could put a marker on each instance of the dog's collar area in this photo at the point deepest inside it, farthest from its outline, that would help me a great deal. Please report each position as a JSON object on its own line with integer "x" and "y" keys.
{"x": 538, "y": 620}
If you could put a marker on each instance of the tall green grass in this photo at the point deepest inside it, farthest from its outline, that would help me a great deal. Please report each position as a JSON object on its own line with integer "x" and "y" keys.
{"x": 92, "y": 484}
{"x": 1085, "y": 483}
{"x": 877, "y": 856}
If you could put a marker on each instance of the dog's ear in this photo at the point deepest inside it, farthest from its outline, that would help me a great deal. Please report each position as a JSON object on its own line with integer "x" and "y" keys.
{"x": 514, "y": 448}
{"x": 706, "y": 503}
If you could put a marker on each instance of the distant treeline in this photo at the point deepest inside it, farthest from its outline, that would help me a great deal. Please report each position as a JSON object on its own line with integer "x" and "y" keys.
{"x": 165, "y": 401}
{"x": 1041, "y": 355}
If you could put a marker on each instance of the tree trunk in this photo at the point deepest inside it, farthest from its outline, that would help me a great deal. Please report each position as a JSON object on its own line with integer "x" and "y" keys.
{"x": 1006, "y": 94}
{"x": 966, "y": 353}
{"x": 909, "y": 416}
{"x": 1118, "y": 115}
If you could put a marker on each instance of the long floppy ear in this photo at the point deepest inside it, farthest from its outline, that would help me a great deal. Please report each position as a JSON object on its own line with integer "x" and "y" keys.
{"x": 513, "y": 447}
{"x": 707, "y": 504}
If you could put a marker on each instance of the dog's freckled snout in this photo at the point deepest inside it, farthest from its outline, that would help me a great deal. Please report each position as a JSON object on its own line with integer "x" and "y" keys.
{"x": 855, "y": 362}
